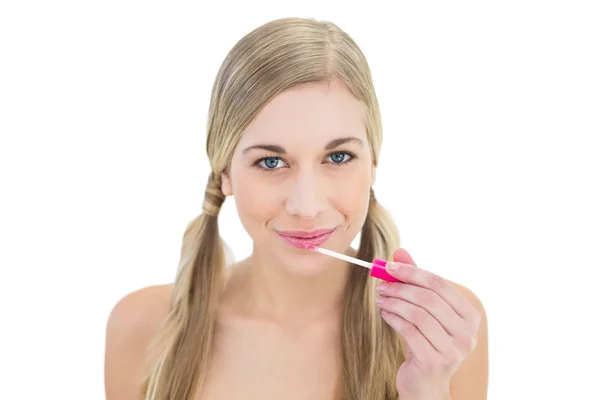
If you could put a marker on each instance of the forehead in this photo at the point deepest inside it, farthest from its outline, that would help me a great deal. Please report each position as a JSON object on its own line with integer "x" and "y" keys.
{"x": 308, "y": 115}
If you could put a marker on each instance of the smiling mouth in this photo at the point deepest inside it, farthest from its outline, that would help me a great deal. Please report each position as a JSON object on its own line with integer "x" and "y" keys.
{"x": 305, "y": 240}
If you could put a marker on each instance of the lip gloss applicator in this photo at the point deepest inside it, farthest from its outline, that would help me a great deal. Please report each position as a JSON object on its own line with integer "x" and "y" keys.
{"x": 377, "y": 267}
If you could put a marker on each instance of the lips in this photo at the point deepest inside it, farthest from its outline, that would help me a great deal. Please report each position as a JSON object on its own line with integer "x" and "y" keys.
{"x": 305, "y": 239}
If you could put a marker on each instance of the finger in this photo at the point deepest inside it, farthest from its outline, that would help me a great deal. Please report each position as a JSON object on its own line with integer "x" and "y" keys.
{"x": 423, "y": 278}
{"x": 427, "y": 299}
{"x": 418, "y": 346}
{"x": 402, "y": 256}
{"x": 429, "y": 327}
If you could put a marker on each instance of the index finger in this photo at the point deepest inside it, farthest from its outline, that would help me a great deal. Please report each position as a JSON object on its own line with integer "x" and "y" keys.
{"x": 417, "y": 276}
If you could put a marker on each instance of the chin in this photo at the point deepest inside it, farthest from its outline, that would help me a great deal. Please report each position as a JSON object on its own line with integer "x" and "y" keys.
{"x": 307, "y": 264}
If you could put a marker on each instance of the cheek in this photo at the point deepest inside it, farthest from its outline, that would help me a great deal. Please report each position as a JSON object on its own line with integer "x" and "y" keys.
{"x": 350, "y": 196}
{"x": 255, "y": 201}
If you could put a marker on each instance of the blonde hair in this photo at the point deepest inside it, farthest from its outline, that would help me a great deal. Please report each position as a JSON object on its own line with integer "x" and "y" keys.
{"x": 275, "y": 57}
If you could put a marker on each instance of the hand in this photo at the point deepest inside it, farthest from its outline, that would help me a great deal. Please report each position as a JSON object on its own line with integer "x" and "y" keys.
{"x": 438, "y": 324}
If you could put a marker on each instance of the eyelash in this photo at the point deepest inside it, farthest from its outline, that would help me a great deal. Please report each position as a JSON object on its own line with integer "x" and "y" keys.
{"x": 271, "y": 170}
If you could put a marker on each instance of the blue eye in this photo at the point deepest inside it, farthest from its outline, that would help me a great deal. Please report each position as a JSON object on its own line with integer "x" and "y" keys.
{"x": 338, "y": 157}
{"x": 272, "y": 164}
{"x": 269, "y": 162}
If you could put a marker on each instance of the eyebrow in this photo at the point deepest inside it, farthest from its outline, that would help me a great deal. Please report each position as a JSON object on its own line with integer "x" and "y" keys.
{"x": 338, "y": 142}
{"x": 330, "y": 146}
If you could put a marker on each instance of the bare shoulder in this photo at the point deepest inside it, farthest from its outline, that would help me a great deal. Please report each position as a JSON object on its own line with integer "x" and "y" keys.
{"x": 133, "y": 323}
{"x": 469, "y": 295}
{"x": 141, "y": 309}
{"x": 470, "y": 380}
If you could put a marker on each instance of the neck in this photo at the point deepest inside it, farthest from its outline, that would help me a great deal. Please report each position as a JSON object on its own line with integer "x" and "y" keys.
{"x": 277, "y": 294}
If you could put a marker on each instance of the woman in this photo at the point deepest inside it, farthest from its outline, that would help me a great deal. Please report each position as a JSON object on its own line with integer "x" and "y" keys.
{"x": 294, "y": 135}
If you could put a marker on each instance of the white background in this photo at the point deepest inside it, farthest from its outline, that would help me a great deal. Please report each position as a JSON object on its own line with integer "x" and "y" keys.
{"x": 490, "y": 166}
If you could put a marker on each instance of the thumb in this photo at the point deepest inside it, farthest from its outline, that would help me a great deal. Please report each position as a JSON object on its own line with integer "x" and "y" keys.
{"x": 402, "y": 256}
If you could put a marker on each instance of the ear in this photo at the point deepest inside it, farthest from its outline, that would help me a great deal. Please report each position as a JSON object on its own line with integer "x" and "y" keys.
{"x": 373, "y": 174}
{"x": 226, "y": 184}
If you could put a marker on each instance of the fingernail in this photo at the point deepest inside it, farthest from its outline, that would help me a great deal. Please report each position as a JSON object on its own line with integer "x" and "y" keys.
{"x": 382, "y": 286}
{"x": 380, "y": 300}
{"x": 392, "y": 266}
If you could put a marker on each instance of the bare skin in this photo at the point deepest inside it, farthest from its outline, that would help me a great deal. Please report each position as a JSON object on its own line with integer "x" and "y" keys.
{"x": 265, "y": 357}
{"x": 133, "y": 323}
{"x": 270, "y": 356}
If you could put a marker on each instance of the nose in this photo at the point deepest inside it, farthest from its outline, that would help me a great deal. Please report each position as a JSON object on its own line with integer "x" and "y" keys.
{"x": 307, "y": 197}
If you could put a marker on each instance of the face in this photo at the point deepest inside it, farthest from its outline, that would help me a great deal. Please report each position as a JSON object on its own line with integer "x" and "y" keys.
{"x": 301, "y": 175}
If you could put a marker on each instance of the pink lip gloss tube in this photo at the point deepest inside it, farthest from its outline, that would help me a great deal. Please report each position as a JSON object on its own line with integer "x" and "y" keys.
{"x": 377, "y": 267}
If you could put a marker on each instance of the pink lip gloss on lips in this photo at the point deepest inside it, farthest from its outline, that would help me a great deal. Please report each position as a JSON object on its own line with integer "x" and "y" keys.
{"x": 306, "y": 240}
{"x": 377, "y": 267}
